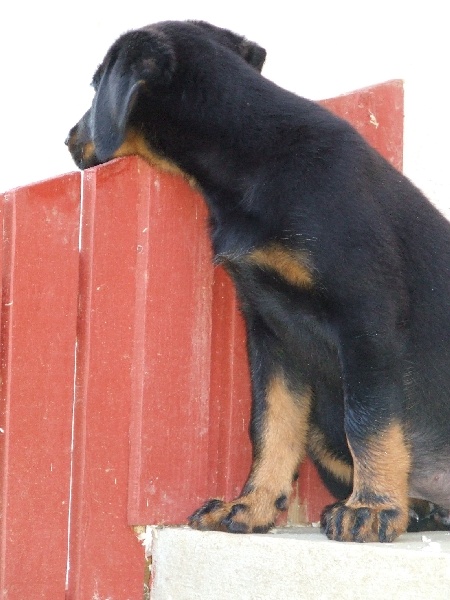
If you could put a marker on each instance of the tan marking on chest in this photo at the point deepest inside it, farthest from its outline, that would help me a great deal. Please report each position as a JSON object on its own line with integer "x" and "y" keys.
{"x": 289, "y": 265}
{"x": 135, "y": 144}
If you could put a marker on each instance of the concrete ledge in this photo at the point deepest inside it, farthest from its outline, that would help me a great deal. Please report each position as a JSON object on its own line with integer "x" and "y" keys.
{"x": 297, "y": 563}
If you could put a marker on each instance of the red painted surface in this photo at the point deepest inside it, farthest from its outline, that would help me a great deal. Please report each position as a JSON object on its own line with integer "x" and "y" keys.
{"x": 106, "y": 560}
{"x": 39, "y": 307}
{"x": 190, "y": 398}
{"x": 377, "y": 113}
{"x": 172, "y": 352}
{"x": 162, "y": 386}
{"x": 230, "y": 456}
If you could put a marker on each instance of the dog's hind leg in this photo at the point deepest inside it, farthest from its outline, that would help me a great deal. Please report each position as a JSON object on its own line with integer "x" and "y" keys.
{"x": 377, "y": 509}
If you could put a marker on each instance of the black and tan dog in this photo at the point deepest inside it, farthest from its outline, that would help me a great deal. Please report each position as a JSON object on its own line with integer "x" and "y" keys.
{"x": 341, "y": 265}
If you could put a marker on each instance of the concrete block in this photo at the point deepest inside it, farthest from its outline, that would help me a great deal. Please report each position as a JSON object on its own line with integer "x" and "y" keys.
{"x": 297, "y": 563}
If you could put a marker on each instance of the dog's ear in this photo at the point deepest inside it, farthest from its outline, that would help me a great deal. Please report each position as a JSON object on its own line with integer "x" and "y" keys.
{"x": 253, "y": 54}
{"x": 137, "y": 61}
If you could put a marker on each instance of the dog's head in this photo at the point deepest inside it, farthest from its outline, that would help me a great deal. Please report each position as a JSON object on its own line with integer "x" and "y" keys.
{"x": 137, "y": 66}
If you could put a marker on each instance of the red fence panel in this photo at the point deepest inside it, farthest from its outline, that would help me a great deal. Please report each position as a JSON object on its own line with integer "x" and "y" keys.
{"x": 187, "y": 423}
{"x": 377, "y": 113}
{"x": 39, "y": 308}
{"x": 106, "y": 560}
{"x": 170, "y": 421}
{"x": 230, "y": 450}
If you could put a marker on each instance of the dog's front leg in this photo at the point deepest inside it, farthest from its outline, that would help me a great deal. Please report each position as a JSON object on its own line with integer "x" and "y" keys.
{"x": 377, "y": 509}
{"x": 278, "y": 430}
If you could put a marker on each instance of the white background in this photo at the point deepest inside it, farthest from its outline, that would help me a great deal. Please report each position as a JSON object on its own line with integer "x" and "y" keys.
{"x": 49, "y": 50}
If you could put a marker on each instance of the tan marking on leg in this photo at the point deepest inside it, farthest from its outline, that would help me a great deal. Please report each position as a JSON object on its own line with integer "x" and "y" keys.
{"x": 288, "y": 264}
{"x": 317, "y": 448}
{"x": 284, "y": 435}
{"x": 282, "y": 446}
{"x": 383, "y": 468}
{"x": 135, "y": 143}
{"x": 377, "y": 509}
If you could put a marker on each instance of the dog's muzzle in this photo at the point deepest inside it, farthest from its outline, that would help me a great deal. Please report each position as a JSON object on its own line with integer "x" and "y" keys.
{"x": 80, "y": 144}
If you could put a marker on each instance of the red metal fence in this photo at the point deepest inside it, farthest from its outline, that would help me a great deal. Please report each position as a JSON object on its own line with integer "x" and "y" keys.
{"x": 125, "y": 392}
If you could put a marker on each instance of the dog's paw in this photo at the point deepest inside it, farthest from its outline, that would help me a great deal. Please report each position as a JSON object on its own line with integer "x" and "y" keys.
{"x": 441, "y": 517}
{"x": 346, "y": 523}
{"x": 252, "y": 513}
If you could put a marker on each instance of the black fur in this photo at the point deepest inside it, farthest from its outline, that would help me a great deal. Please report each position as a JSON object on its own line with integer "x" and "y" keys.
{"x": 368, "y": 332}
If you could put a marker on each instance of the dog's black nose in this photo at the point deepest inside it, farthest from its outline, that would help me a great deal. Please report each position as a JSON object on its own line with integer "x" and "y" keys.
{"x": 67, "y": 140}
